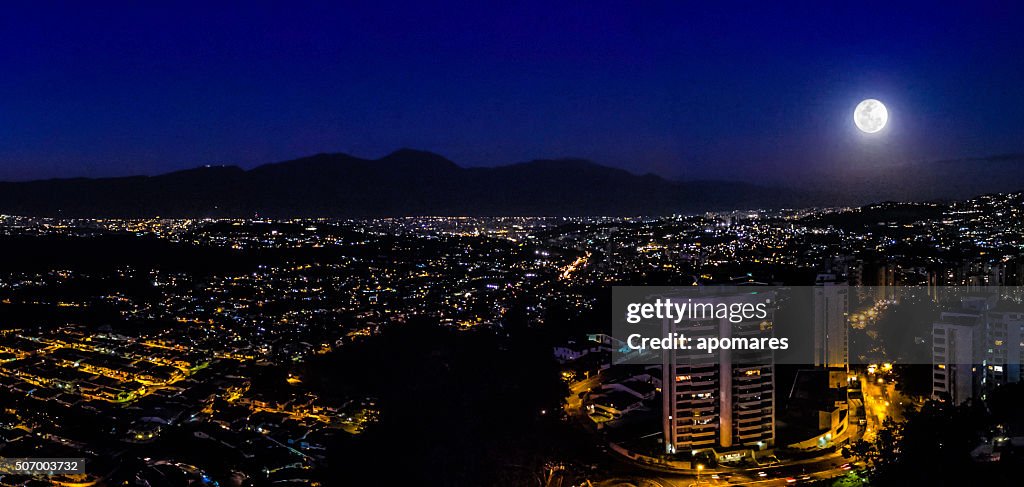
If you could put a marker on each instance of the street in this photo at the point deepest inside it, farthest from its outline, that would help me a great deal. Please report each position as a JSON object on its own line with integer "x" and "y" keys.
{"x": 881, "y": 401}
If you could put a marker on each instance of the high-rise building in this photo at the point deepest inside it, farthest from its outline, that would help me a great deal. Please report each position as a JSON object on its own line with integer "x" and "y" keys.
{"x": 831, "y": 331}
{"x": 1006, "y": 333}
{"x": 818, "y": 398}
{"x": 976, "y": 348}
{"x": 721, "y": 401}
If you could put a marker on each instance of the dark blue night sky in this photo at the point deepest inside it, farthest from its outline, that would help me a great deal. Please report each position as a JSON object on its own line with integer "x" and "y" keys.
{"x": 745, "y": 91}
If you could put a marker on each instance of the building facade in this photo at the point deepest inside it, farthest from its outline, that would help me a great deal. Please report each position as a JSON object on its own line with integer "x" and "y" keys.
{"x": 976, "y": 348}
{"x": 831, "y": 331}
{"x": 723, "y": 400}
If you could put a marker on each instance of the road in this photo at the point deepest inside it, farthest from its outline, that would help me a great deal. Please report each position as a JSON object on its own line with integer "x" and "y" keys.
{"x": 574, "y": 403}
{"x": 774, "y": 476}
{"x": 881, "y": 401}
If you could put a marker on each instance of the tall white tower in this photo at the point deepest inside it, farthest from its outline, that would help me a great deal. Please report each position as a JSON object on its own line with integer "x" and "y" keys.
{"x": 723, "y": 400}
{"x": 831, "y": 329}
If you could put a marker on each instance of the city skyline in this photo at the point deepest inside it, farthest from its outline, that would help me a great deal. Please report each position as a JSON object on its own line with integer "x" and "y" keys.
{"x": 267, "y": 344}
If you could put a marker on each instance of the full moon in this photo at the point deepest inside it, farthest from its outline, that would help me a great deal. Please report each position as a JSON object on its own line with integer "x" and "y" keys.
{"x": 870, "y": 116}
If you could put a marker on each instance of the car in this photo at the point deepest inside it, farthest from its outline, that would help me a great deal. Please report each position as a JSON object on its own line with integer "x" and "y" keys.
{"x": 790, "y": 480}
{"x": 846, "y": 466}
{"x": 762, "y": 474}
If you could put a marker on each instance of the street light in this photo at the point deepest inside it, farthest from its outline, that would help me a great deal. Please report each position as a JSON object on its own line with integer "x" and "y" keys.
{"x": 700, "y": 466}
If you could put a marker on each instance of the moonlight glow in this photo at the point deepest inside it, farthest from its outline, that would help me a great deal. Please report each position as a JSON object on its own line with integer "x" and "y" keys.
{"x": 870, "y": 116}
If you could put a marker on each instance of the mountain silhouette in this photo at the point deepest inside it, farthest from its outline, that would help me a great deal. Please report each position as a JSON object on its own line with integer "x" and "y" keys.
{"x": 404, "y": 183}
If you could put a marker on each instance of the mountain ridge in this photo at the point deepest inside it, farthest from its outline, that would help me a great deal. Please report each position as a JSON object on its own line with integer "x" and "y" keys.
{"x": 406, "y": 182}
